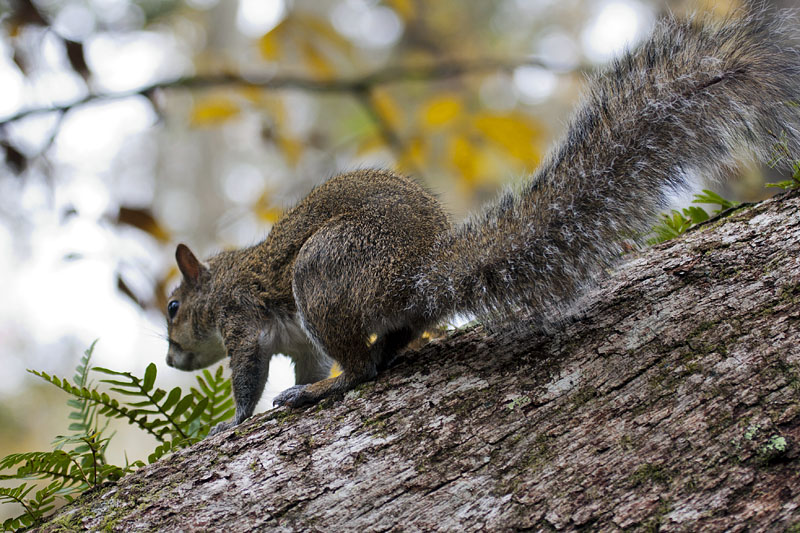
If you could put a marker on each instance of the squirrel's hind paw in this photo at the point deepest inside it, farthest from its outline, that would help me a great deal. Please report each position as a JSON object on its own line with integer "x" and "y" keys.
{"x": 296, "y": 396}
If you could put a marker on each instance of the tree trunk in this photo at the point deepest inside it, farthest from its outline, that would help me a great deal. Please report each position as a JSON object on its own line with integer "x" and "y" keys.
{"x": 669, "y": 402}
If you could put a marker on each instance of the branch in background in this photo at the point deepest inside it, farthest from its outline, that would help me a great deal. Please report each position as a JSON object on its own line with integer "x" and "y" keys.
{"x": 367, "y": 101}
{"x": 355, "y": 86}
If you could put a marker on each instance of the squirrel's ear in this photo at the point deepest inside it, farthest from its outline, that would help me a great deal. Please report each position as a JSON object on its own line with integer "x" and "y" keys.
{"x": 188, "y": 264}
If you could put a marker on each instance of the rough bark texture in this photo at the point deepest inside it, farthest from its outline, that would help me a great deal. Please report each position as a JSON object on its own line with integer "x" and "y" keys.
{"x": 671, "y": 402}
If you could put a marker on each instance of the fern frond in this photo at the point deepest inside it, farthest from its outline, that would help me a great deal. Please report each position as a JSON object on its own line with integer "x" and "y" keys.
{"x": 108, "y": 406}
{"x": 78, "y": 462}
{"x": 57, "y": 464}
{"x": 217, "y": 389}
{"x": 710, "y": 197}
{"x": 163, "y": 449}
{"x": 42, "y": 502}
{"x": 174, "y": 412}
{"x": 84, "y": 411}
{"x": 18, "y": 495}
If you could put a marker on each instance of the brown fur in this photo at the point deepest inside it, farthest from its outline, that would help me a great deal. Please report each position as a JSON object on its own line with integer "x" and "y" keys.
{"x": 330, "y": 266}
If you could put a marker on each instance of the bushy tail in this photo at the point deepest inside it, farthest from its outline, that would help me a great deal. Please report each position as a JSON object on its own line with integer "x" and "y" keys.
{"x": 678, "y": 106}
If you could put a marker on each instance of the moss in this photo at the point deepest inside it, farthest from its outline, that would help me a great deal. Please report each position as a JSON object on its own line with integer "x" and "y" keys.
{"x": 518, "y": 402}
{"x": 326, "y": 403}
{"x": 243, "y": 430}
{"x": 540, "y": 453}
{"x": 465, "y": 407}
{"x": 789, "y": 371}
{"x": 649, "y": 472}
{"x": 377, "y": 424}
{"x": 654, "y": 523}
{"x": 364, "y": 388}
{"x": 702, "y": 328}
{"x": 722, "y": 419}
{"x": 584, "y": 395}
{"x": 69, "y": 522}
{"x": 656, "y": 380}
{"x": 773, "y": 450}
{"x": 626, "y": 442}
{"x": 787, "y": 296}
{"x": 360, "y": 458}
{"x": 751, "y": 432}
{"x": 772, "y": 265}
{"x": 711, "y": 226}
{"x": 282, "y": 415}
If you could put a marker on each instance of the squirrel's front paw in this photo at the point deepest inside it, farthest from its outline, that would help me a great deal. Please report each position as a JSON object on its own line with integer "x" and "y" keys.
{"x": 292, "y": 397}
{"x": 219, "y": 428}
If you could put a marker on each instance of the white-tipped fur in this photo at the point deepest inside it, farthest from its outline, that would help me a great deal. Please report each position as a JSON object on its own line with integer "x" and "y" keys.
{"x": 289, "y": 338}
{"x": 680, "y": 105}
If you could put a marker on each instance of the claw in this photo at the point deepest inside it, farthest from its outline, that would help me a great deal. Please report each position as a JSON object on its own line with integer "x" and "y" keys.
{"x": 291, "y": 397}
{"x": 219, "y": 428}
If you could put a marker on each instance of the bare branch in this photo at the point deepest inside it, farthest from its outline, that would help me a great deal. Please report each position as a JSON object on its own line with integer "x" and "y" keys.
{"x": 355, "y": 86}
{"x": 390, "y": 137}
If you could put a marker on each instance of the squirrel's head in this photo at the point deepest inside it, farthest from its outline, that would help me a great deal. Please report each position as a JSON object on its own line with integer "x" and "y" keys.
{"x": 194, "y": 339}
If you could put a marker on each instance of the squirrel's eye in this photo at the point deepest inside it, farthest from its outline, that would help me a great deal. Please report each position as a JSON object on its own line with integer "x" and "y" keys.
{"x": 172, "y": 308}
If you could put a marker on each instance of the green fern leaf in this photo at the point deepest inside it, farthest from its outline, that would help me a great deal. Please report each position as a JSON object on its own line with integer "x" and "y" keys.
{"x": 149, "y": 377}
{"x": 107, "y": 406}
{"x": 710, "y": 197}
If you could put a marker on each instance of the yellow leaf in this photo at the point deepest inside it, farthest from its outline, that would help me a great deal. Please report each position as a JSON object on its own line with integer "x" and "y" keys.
{"x": 721, "y": 9}
{"x": 213, "y": 110}
{"x": 404, "y": 8}
{"x": 265, "y": 210}
{"x": 413, "y": 157}
{"x": 253, "y": 93}
{"x": 14, "y": 28}
{"x": 271, "y": 215}
{"x": 144, "y": 220}
{"x": 270, "y": 46}
{"x": 441, "y": 110}
{"x": 463, "y": 156}
{"x": 317, "y": 62}
{"x": 386, "y": 108}
{"x": 370, "y": 144}
{"x": 292, "y": 149}
{"x": 518, "y": 135}
{"x": 321, "y": 29}
{"x": 335, "y": 370}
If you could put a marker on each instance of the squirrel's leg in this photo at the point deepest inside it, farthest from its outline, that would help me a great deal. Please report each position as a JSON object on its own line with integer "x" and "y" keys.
{"x": 311, "y": 366}
{"x": 337, "y": 317}
{"x": 387, "y": 346}
{"x": 249, "y": 373}
{"x": 357, "y": 367}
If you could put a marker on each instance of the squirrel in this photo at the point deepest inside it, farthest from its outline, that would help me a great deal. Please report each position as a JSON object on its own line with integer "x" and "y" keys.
{"x": 369, "y": 259}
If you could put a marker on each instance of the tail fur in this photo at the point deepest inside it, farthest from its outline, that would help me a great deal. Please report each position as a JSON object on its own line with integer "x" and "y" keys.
{"x": 680, "y": 105}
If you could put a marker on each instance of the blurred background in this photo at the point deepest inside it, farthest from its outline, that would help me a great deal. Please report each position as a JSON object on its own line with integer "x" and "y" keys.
{"x": 127, "y": 126}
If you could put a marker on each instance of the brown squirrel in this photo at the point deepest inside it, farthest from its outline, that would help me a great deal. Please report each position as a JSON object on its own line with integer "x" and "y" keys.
{"x": 371, "y": 255}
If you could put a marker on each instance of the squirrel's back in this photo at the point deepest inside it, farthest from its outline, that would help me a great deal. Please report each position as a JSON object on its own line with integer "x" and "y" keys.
{"x": 397, "y": 217}
{"x": 678, "y": 106}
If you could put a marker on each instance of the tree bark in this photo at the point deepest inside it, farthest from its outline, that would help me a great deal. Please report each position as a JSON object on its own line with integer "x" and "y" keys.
{"x": 669, "y": 402}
